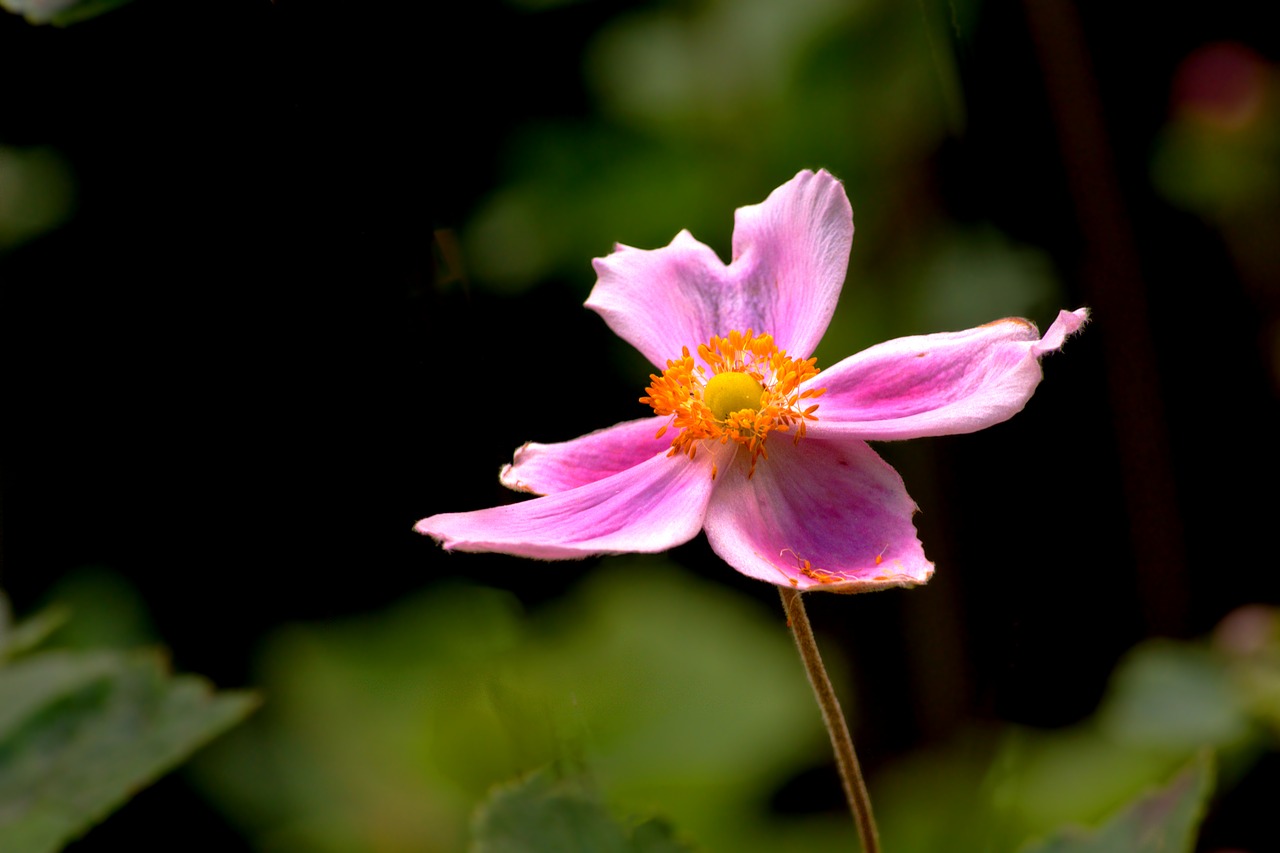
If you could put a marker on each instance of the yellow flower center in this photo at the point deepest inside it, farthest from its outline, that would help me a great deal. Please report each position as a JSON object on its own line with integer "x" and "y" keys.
{"x": 727, "y": 393}
{"x": 753, "y": 390}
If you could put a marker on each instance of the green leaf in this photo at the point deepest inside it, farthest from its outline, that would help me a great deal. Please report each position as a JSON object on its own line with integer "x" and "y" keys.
{"x": 17, "y": 639}
{"x": 1165, "y": 821}
{"x": 545, "y": 813}
{"x": 60, "y": 12}
{"x": 81, "y": 732}
{"x": 1170, "y": 695}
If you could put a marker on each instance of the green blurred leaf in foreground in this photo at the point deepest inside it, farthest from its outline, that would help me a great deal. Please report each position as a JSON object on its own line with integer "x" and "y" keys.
{"x": 385, "y": 732}
{"x": 60, "y": 12}
{"x": 80, "y": 732}
{"x": 549, "y": 812}
{"x": 991, "y": 787}
{"x": 1164, "y": 821}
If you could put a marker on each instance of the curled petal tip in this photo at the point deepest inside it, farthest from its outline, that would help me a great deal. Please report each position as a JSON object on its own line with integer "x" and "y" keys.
{"x": 1066, "y": 324}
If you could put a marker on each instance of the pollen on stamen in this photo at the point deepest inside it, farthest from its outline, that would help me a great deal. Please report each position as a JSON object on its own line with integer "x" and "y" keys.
{"x": 753, "y": 390}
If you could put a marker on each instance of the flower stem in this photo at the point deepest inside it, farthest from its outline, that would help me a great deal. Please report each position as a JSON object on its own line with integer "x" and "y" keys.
{"x": 855, "y": 790}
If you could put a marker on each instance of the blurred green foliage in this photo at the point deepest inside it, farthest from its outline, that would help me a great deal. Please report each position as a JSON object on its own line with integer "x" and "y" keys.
{"x": 681, "y": 701}
{"x": 1167, "y": 702}
{"x": 81, "y": 731}
{"x": 383, "y": 733}
{"x": 109, "y": 612}
{"x": 36, "y": 193}
{"x": 60, "y": 12}
{"x": 1164, "y": 821}
{"x": 559, "y": 812}
{"x": 1219, "y": 154}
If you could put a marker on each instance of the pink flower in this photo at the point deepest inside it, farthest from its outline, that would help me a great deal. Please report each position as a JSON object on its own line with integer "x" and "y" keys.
{"x": 748, "y": 440}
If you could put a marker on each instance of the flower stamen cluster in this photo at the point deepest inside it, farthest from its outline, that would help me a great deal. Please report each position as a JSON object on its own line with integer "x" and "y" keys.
{"x": 744, "y": 389}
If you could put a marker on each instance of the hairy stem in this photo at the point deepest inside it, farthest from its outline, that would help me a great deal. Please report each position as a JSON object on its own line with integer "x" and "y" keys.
{"x": 855, "y": 789}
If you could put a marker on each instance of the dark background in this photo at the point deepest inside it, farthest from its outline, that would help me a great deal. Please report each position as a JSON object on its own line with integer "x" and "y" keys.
{"x": 235, "y": 377}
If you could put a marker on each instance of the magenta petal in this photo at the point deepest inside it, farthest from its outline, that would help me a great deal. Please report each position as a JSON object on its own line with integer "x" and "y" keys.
{"x": 940, "y": 384}
{"x": 828, "y": 515}
{"x": 790, "y": 254}
{"x": 650, "y": 507}
{"x": 545, "y": 469}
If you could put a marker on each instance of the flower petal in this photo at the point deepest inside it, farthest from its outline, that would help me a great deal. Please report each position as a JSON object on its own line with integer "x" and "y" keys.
{"x": 941, "y": 384}
{"x": 649, "y": 507}
{"x": 545, "y": 469}
{"x": 794, "y": 251}
{"x": 828, "y": 515}
{"x": 790, "y": 254}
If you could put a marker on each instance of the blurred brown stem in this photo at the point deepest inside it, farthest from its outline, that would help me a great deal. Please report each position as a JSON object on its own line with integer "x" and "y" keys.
{"x": 855, "y": 789}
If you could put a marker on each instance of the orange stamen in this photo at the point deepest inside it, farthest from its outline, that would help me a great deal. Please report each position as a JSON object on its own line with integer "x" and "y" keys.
{"x": 807, "y": 569}
{"x": 679, "y": 392}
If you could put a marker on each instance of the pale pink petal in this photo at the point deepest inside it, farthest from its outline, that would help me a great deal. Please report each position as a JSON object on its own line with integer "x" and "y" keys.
{"x": 790, "y": 254}
{"x": 650, "y": 507}
{"x": 545, "y": 469}
{"x": 662, "y": 300}
{"x": 940, "y": 384}
{"x": 794, "y": 251}
{"x": 828, "y": 515}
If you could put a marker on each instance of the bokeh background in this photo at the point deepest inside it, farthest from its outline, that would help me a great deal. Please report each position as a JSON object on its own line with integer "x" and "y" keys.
{"x": 278, "y": 279}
